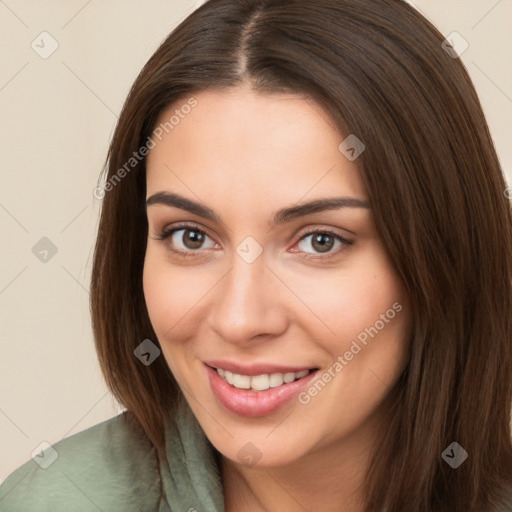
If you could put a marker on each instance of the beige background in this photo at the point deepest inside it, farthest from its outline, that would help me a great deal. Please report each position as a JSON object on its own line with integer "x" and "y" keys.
{"x": 58, "y": 115}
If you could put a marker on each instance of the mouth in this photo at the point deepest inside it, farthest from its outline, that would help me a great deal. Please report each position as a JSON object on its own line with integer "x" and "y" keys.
{"x": 263, "y": 381}
{"x": 253, "y": 392}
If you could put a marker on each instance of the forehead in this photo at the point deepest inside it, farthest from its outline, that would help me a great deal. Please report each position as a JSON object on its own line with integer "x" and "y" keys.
{"x": 238, "y": 146}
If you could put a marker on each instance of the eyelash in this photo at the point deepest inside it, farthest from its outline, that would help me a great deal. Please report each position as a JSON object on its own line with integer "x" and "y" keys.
{"x": 166, "y": 233}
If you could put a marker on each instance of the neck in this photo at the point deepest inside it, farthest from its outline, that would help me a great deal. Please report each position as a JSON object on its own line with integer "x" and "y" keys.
{"x": 328, "y": 479}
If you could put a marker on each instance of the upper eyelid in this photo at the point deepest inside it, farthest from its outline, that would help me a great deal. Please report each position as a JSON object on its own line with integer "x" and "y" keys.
{"x": 178, "y": 226}
{"x": 305, "y": 232}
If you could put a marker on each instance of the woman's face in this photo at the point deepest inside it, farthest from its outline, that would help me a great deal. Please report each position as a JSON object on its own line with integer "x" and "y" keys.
{"x": 265, "y": 292}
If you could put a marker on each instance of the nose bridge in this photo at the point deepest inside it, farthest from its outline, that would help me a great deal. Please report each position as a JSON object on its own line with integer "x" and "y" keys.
{"x": 244, "y": 306}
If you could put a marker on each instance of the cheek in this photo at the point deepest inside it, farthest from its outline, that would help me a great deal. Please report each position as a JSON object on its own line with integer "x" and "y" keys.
{"x": 374, "y": 341}
{"x": 160, "y": 294}
{"x": 354, "y": 299}
{"x": 368, "y": 311}
{"x": 172, "y": 294}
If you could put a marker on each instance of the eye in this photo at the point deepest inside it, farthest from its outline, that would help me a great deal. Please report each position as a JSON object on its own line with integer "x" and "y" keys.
{"x": 186, "y": 240}
{"x": 323, "y": 242}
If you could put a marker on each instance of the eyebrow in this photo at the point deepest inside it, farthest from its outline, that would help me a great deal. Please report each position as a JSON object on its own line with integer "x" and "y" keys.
{"x": 279, "y": 217}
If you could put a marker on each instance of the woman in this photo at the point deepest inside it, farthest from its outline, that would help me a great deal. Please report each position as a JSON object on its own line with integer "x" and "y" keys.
{"x": 302, "y": 280}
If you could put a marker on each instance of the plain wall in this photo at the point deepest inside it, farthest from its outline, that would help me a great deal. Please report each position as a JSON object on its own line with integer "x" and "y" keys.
{"x": 57, "y": 116}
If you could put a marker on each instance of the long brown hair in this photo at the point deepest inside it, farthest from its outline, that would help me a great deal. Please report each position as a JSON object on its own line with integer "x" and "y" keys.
{"x": 438, "y": 196}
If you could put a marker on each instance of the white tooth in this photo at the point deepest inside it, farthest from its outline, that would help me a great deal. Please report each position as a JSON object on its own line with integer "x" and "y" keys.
{"x": 301, "y": 374}
{"x": 229, "y": 377}
{"x": 220, "y": 371}
{"x": 241, "y": 381}
{"x": 260, "y": 382}
{"x": 289, "y": 377}
{"x": 275, "y": 380}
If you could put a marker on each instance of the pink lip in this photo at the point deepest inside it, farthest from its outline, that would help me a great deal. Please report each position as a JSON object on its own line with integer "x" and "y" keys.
{"x": 254, "y": 403}
{"x": 255, "y": 369}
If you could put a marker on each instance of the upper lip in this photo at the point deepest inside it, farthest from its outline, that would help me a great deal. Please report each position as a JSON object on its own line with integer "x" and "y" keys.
{"x": 256, "y": 368}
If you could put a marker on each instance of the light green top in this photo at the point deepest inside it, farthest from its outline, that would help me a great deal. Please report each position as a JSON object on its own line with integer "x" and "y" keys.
{"x": 112, "y": 467}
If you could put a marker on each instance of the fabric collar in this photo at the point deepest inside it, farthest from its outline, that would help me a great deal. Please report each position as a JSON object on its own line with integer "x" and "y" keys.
{"x": 190, "y": 474}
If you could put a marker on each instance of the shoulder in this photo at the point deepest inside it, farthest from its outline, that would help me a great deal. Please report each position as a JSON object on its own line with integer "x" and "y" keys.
{"x": 110, "y": 466}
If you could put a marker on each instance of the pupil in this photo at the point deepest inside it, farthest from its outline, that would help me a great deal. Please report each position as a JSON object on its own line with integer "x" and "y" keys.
{"x": 320, "y": 239}
{"x": 193, "y": 239}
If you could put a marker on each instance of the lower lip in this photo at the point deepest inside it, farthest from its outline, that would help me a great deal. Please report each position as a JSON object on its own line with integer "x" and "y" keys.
{"x": 254, "y": 403}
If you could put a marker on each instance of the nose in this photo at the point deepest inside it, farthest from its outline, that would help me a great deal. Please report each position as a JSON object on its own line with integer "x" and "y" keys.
{"x": 248, "y": 303}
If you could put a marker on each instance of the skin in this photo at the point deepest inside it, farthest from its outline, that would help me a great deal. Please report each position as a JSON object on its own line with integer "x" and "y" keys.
{"x": 245, "y": 155}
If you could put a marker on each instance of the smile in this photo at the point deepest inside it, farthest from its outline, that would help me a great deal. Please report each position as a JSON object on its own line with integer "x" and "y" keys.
{"x": 258, "y": 390}
{"x": 260, "y": 382}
